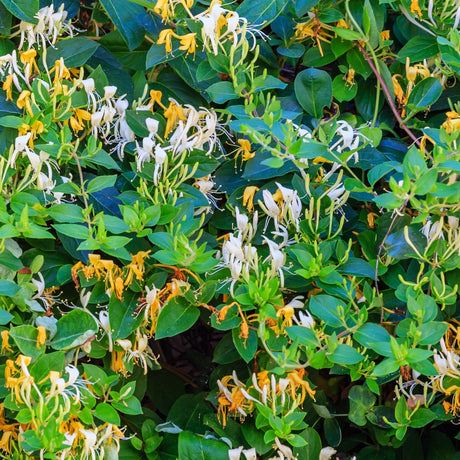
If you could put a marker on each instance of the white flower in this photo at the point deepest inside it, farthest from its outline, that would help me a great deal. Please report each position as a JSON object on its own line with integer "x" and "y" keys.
{"x": 305, "y": 319}
{"x": 433, "y": 230}
{"x": 89, "y": 85}
{"x": 338, "y": 195}
{"x": 109, "y": 91}
{"x": 152, "y": 126}
{"x": 326, "y": 453}
{"x": 160, "y": 158}
{"x": 235, "y": 454}
{"x": 270, "y": 208}
{"x": 209, "y": 32}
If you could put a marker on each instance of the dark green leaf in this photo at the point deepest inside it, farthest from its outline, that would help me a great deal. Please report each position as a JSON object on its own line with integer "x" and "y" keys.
{"x": 126, "y": 17}
{"x": 74, "y": 329}
{"x": 313, "y": 89}
{"x": 175, "y": 317}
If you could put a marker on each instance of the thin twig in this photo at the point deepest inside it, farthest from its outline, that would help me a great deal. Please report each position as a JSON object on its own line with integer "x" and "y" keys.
{"x": 388, "y": 95}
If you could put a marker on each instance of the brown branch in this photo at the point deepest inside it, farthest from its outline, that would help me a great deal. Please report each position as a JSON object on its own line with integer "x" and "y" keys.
{"x": 388, "y": 95}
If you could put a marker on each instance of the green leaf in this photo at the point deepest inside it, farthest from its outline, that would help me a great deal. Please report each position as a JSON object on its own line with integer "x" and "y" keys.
{"x": 327, "y": 308}
{"x": 313, "y": 90}
{"x": 8, "y": 288}
{"x": 75, "y": 51}
{"x": 188, "y": 411}
{"x": 130, "y": 406}
{"x": 332, "y": 432}
{"x": 10, "y": 121}
{"x": 74, "y": 329}
{"x": 221, "y": 92}
{"x": 425, "y": 93}
{"x": 260, "y": 13}
{"x": 313, "y": 448}
{"x": 303, "y": 335}
{"x": 5, "y": 20}
{"x": 194, "y": 447}
{"x": 100, "y": 183}
{"x": 25, "y": 338}
{"x": 361, "y": 400}
{"x": 432, "y": 332}
{"x": 5, "y": 316}
{"x": 371, "y": 333}
{"x": 78, "y": 231}
{"x": 122, "y": 315}
{"x": 246, "y": 347}
{"x": 345, "y": 354}
{"x": 357, "y": 267}
{"x": 347, "y": 34}
{"x": 418, "y": 48}
{"x": 387, "y": 366}
{"x": 107, "y": 413}
{"x": 126, "y": 17}
{"x": 22, "y": 9}
{"x": 175, "y": 317}
{"x": 66, "y": 212}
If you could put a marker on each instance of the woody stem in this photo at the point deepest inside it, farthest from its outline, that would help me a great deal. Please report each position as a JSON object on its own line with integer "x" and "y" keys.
{"x": 388, "y": 95}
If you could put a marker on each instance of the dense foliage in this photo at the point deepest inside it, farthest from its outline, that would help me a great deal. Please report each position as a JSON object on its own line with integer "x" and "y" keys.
{"x": 229, "y": 230}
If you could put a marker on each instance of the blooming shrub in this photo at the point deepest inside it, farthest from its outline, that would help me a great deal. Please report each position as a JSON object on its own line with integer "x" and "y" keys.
{"x": 229, "y": 230}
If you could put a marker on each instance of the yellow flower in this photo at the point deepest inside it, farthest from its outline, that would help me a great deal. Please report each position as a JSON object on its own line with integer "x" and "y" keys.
{"x": 136, "y": 267}
{"x": 244, "y": 150}
{"x": 28, "y": 57}
{"x": 165, "y": 8}
{"x": 415, "y": 8}
{"x": 24, "y": 101}
{"x": 118, "y": 364}
{"x": 296, "y": 381}
{"x": 452, "y": 123}
{"x": 77, "y": 120}
{"x": 316, "y": 30}
{"x": 286, "y": 312}
{"x": 188, "y": 43}
{"x": 371, "y": 219}
{"x": 155, "y": 98}
{"x": 61, "y": 72}
{"x": 248, "y": 197}
{"x": 5, "y": 342}
{"x": 385, "y": 35}
{"x": 319, "y": 160}
{"x": 231, "y": 399}
{"x": 165, "y": 38}
{"x": 350, "y": 78}
{"x": 8, "y": 87}
{"x": 41, "y": 338}
{"x": 399, "y": 93}
{"x": 173, "y": 113}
